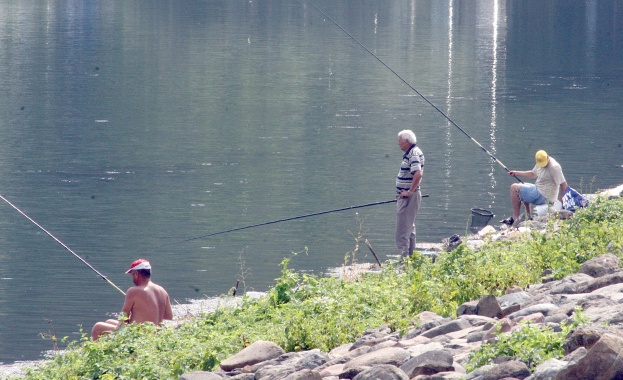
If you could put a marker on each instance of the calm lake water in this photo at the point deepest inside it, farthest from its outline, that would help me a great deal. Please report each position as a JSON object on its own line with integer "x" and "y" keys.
{"x": 128, "y": 128}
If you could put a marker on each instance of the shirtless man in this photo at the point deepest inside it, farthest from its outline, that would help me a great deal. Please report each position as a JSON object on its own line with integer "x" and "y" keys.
{"x": 144, "y": 302}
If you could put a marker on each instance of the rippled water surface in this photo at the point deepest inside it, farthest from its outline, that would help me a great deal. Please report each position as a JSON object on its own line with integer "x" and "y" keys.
{"x": 131, "y": 129}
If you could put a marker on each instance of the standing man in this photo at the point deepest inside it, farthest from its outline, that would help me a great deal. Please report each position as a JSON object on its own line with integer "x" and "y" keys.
{"x": 144, "y": 302}
{"x": 408, "y": 192}
{"x": 550, "y": 186}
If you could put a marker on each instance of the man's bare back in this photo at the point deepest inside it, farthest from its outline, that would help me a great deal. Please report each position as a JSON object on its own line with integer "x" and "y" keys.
{"x": 144, "y": 302}
{"x": 147, "y": 303}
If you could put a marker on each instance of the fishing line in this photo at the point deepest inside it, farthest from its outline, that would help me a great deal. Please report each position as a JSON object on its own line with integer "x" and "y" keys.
{"x": 287, "y": 219}
{"x": 411, "y": 87}
{"x": 62, "y": 244}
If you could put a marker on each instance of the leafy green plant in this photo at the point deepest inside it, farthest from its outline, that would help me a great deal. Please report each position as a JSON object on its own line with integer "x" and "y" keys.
{"x": 532, "y": 343}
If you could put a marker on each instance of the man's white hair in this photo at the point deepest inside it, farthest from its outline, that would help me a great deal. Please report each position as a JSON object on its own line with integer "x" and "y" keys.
{"x": 408, "y": 135}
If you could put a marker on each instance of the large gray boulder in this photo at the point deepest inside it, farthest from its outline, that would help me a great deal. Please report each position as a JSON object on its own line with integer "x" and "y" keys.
{"x": 428, "y": 363}
{"x": 305, "y": 374}
{"x": 488, "y": 306}
{"x": 547, "y": 370}
{"x": 516, "y": 298}
{"x": 351, "y": 373}
{"x": 374, "y": 337}
{"x": 569, "y": 284}
{"x": 511, "y": 369}
{"x": 600, "y": 282}
{"x": 288, "y": 364}
{"x": 603, "y": 361}
{"x": 583, "y": 336}
{"x": 255, "y": 353}
{"x": 467, "y": 308}
{"x": 601, "y": 265}
{"x": 382, "y": 372}
{"x": 425, "y": 326}
{"x": 543, "y": 308}
{"x": 274, "y": 372}
{"x": 452, "y": 326}
{"x": 392, "y": 355}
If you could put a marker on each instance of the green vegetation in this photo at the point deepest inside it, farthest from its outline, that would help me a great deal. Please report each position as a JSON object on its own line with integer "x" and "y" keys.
{"x": 533, "y": 344}
{"x": 303, "y": 312}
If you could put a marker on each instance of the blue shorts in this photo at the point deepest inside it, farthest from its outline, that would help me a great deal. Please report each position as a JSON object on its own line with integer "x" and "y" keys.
{"x": 529, "y": 193}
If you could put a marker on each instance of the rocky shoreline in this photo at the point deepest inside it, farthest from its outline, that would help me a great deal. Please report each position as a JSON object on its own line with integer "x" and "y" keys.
{"x": 439, "y": 347}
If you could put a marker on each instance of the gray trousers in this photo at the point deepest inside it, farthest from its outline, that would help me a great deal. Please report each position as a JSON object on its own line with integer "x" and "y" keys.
{"x": 406, "y": 213}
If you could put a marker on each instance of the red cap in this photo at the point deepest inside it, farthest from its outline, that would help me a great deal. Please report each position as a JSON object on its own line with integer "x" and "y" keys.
{"x": 139, "y": 264}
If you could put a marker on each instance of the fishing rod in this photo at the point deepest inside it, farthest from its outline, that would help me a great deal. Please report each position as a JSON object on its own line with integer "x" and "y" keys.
{"x": 287, "y": 219}
{"x": 412, "y": 88}
{"x": 62, "y": 244}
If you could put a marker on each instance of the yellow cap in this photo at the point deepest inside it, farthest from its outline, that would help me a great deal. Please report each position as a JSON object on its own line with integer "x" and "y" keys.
{"x": 541, "y": 158}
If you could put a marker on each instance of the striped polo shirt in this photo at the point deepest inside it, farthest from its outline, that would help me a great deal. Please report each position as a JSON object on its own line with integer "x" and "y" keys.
{"x": 412, "y": 161}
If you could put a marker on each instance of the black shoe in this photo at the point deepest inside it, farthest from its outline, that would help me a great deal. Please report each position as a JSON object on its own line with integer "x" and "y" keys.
{"x": 508, "y": 221}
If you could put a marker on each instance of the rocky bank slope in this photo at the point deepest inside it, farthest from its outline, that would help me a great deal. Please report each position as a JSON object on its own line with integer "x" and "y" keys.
{"x": 439, "y": 347}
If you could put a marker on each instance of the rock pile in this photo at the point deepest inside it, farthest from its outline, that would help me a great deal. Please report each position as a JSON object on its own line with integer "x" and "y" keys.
{"x": 439, "y": 348}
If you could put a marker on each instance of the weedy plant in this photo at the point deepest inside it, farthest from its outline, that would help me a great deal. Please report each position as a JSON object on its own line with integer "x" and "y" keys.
{"x": 51, "y": 336}
{"x": 532, "y": 344}
{"x": 303, "y": 311}
{"x": 245, "y": 272}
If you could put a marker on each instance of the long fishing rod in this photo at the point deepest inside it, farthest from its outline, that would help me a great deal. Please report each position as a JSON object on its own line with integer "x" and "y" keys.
{"x": 62, "y": 244}
{"x": 287, "y": 219}
{"x": 412, "y": 88}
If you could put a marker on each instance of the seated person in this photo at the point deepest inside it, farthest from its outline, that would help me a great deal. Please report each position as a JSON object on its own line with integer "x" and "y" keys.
{"x": 550, "y": 186}
{"x": 144, "y": 302}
